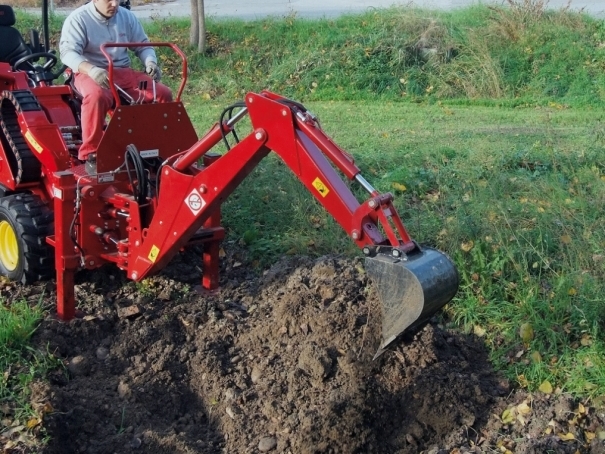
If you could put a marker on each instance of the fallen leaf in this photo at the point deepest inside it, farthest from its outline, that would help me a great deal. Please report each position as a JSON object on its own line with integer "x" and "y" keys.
{"x": 589, "y": 435}
{"x": 399, "y": 187}
{"x": 565, "y": 239}
{"x": 522, "y": 381}
{"x": 508, "y": 416}
{"x": 523, "y": 408}
{"x": 478, "y": 331}
{"x": 566, "y": 437}
{"x": 545, "y": 387}
{"x": 567, "y": 328}
{"x": 526, "y": 331}
{"x": 554, "y": 360}
{"x": 33, "y": 422}
{"x": 467, "y": 246}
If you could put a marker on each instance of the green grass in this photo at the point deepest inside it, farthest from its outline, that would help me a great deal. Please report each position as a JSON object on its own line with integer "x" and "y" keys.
{"x": 521, "y": 55}
{"x": 495, "y": 128}
{"x": 20, "y": 363}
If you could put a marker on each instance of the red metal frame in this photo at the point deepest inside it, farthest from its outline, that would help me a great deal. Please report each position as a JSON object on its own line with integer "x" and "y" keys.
{"x": 178, "y": 51}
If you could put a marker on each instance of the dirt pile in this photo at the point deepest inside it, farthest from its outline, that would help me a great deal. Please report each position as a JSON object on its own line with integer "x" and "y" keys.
{"x": 280, "y": 363}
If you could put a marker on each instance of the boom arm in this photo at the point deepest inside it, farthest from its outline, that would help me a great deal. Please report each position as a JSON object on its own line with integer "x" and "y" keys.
{"x": 188, "y": 195}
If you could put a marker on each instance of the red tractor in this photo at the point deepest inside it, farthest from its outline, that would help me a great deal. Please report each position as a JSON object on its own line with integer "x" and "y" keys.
{"x": 159, "y": 188}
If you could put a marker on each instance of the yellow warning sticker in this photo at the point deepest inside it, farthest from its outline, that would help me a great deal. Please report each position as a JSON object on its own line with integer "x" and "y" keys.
{"x": 30, "y": 138}
{"x": 153, "y": 254}
{"x": 321, "y": 188}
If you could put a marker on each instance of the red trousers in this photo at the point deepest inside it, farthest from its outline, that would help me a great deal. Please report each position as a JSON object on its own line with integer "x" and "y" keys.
{"x": 98, "y": 101}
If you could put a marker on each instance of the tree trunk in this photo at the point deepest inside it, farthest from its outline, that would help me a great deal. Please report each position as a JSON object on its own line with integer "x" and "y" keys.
{"x": 201, "y": 21}
{"x": 194, "y": 31}
{"x": 197, "y": 33}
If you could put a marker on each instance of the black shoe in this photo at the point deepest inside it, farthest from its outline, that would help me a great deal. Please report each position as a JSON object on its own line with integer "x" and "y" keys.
{"x": 91, "y": 164}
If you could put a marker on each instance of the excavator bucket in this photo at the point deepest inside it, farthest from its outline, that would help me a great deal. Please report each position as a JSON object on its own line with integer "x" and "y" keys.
{"x": 411, "y": 289}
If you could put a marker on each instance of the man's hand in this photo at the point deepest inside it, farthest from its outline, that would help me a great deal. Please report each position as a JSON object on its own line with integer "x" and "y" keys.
{"x": 153, "y": 70}
{"x": 100, "y": 76}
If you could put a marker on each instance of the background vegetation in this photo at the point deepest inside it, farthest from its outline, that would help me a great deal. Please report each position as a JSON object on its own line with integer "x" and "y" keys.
{"x": 487, "y": 123}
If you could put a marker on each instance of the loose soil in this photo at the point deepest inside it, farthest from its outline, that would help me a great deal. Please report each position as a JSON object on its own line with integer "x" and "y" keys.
{"x": 277, "y": 362}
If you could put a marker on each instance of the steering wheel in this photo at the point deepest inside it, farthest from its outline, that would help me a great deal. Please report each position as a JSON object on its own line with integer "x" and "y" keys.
{"x": 27, "y": 62}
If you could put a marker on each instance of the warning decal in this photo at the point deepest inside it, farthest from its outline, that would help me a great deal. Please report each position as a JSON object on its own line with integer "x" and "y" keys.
{"x": 195, "y": 202}
{"x": 30, "y": 138}
{"x": 321, "y": 188}
{"x": 153, "y": 254}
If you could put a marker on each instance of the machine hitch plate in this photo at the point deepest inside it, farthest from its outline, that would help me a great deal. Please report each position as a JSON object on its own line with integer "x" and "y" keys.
{"x": 411, "y": 289}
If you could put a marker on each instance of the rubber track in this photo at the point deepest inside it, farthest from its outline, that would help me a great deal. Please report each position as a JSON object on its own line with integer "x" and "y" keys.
{"x": 25, "y": 166}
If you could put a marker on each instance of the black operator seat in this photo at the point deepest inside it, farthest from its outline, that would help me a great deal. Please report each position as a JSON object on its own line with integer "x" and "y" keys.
{"x": 12, "y": 45}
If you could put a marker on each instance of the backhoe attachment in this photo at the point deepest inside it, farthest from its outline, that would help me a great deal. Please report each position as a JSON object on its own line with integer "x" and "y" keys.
{"x": 412, "y": 282}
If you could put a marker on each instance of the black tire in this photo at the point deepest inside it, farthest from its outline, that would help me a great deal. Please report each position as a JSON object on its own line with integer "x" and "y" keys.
{"x": 25, "y": 222}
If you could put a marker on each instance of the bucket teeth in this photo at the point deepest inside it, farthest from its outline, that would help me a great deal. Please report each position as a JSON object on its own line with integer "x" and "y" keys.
{"x": 411, "y": 289}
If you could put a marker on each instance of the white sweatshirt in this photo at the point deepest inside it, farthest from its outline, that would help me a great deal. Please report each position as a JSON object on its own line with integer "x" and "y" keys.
{"x": 85, "y": 29}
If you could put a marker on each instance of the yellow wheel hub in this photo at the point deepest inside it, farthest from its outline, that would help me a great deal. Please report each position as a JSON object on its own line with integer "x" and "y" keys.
{"x": 9, "y": 247}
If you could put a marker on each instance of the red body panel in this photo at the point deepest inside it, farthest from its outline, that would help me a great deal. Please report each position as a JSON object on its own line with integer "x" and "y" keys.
{"x": 165, "y": 128}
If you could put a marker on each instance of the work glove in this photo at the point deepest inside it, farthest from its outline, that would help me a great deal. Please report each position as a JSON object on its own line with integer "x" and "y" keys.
{"x": 153, "y": 70}
{"x": 100, "y": 76}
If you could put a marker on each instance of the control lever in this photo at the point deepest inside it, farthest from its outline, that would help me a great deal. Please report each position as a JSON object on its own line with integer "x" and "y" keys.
{"x": 142, "y": 91}
{"x": 126, "y": 95}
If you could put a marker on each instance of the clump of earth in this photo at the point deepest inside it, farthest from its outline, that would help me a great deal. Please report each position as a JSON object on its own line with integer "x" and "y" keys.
{"x": 279, "y": 361}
